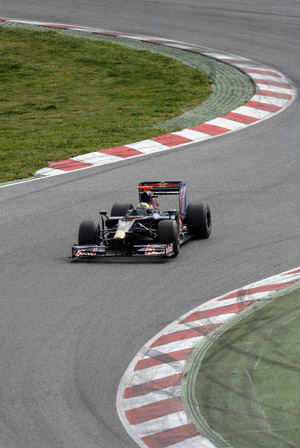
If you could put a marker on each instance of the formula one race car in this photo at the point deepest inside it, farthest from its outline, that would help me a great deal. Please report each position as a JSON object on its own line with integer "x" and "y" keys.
{"x": 145, "y": 230}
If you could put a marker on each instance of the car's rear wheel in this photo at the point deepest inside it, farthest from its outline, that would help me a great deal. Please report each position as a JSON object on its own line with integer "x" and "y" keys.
{"x": 198, "y": 220}
{"x": 89, "y": 233}
{"x": 168, "y": 232}
{"x": 120, "y": 209}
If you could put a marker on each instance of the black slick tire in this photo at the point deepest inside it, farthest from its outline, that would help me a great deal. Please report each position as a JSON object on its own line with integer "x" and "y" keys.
{"x": 120, "y": 209}
{"x": 198, "y": 220}
{"x": 168, "y": 232}
{"x": 89, "y": 233}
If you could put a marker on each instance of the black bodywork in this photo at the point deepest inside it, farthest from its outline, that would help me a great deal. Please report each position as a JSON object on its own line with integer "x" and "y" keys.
{"x": 157, "y": 234}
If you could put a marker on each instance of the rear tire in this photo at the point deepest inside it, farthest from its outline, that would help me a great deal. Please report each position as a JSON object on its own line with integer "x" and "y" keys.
{"x": 89, "y": 233}
{"x": 198, "y": 220}
{"x": 168, "y": 232}
{"x": 120, "y": 209}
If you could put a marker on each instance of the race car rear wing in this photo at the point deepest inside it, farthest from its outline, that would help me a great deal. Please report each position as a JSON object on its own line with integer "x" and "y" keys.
{"x": 157, "y": 188}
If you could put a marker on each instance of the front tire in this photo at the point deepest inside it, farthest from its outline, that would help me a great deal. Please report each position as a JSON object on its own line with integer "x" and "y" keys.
{"x": 120, "y": 209}
{"x": 89, "y": 233}
{"x": 198, "y": 220}
{"x": 168, "y": 232}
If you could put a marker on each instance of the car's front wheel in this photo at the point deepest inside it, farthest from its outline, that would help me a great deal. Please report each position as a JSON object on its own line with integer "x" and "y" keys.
{"x": 198, "y": 220}
{"x": 168, "y": 232}
{"x": 89, "y": 233}
{"x": 120, "y": 209}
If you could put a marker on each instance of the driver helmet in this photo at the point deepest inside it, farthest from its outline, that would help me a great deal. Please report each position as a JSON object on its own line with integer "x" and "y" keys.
{"x": 143, "y": 208}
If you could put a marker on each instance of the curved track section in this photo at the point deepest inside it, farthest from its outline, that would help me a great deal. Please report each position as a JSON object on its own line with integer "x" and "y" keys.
{"x": 273, "y": 93}
{"x": 68, "y": 331}
{"x": 156, "y": 400}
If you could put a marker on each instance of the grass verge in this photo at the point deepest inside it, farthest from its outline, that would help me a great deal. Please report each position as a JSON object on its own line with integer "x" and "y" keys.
{"x": 61, "y": 97}
{"x": 248, "y": 386}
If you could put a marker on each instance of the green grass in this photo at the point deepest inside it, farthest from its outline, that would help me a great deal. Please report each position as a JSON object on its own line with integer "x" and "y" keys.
{"x": 248, "y": 386}
{"x": 61, "y": 97}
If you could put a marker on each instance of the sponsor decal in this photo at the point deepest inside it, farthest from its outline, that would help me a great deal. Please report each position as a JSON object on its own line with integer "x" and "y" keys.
{"x": 84, "y": 253}
{"x": 182, "y": 199}
{"x": 150, "y": 250}
{"x": 166, "y": 184}
{"x": 180, "y": 225}
{"x": 169, "y": 248}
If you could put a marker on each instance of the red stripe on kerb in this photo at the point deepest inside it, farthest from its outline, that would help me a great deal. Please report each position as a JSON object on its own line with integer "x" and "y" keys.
{"x": 283, "y": 96}
{"x": 59, "y": 27}
{"x": 227, "y": 309}
{"x": 171, "y": 140}
{"x": 68, "y": 165}
{"x": 153, "y": 386}
{"x": 170, "y": 437}
{"x": 262, "y": 106}
{"x": 121, "y": 151}
{"x": 258, "y": 289}
{"x": 185, "y": 334}
{"x": 261, "y": 72}
{"x": 154, "y": 410}
{"x": 292, "y": 272}
{"x": 210, "y": 129}
{"x": 236, "y": 61}
{"x": 272, "y": 83}
{"x": 106, "y": 33}
{"x": 240, "y": 118}
{"x": 164, "y": 358}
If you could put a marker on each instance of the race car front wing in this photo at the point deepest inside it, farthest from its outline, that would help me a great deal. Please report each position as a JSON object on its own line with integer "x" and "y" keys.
{"x": 153, "y": 250}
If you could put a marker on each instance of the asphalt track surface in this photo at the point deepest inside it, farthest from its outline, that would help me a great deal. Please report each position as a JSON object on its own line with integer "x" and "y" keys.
{"x": 68, "y": 331}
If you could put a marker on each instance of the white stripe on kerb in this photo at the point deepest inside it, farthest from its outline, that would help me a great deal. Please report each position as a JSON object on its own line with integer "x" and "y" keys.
{"x": 49, "y": 172}
{"x": 269, "y": 100}
{"x": 224, "y": 56}
{"x": 195, "y": 442}
{"x": 244, "y": 64}
{"x": 151, "y": 397}
{"x": 139, "y": 37}
{"x": 261, "y": 69}
{"x": 177, "y": 345}
{"x": 161, "y": 424}
{"x": 181, "y": 46}
{"x": 252, "y": 112}
{"x": 227, "y": 124}
{"x": 157, "y": 372}
{"x": 195, "y": 136}
{"x": 96, "y": 158}
{"x": 275, "y": 89}
{"x": 148, "y": 146}
{"x": 88, "y": 31}
{"x": 250, "y": 66}
{"x": 203, "y": 322}
{"x": 268, "y": 77}
{"x": 274, "y": 280}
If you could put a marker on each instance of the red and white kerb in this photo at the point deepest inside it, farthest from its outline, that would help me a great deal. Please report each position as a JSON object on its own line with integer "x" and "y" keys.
{"x": 149, "y": 396}
{"x": 274, "y": 92}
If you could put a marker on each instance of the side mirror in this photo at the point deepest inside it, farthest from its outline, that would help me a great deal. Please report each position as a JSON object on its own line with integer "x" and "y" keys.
{"x": 103, "y": 212}
{"x": 172, "y": 212}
